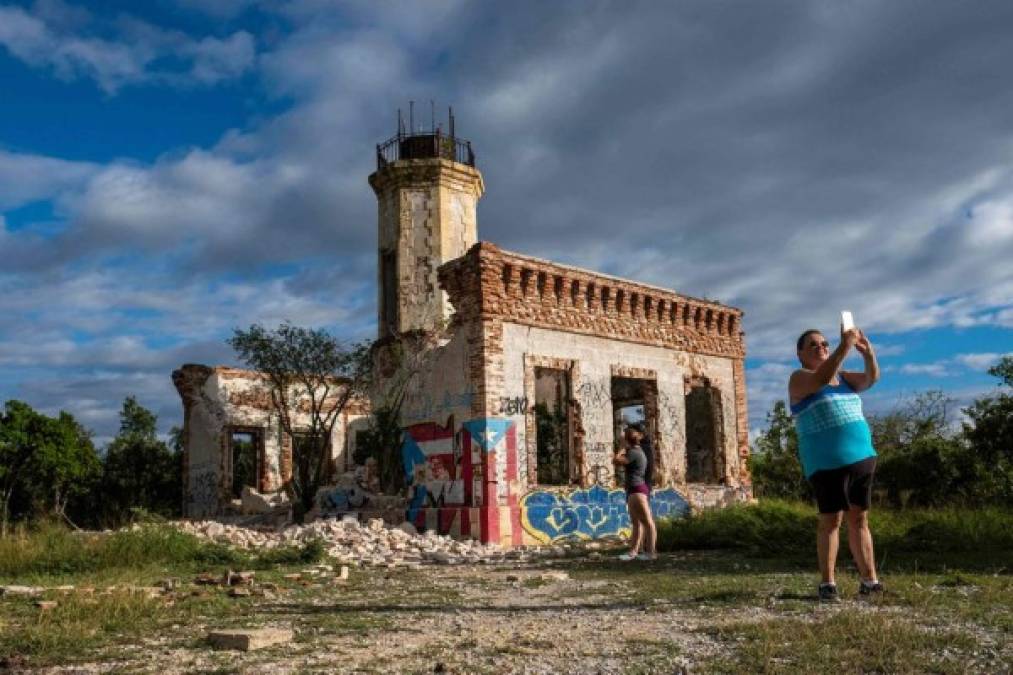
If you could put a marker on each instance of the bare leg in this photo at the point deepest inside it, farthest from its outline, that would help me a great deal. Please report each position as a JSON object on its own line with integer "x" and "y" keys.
{"x": 860, "y": 542}
{"x": 827, "y": 541}
{"x": 647, "y": 524}
{"x": 635, "y": 534}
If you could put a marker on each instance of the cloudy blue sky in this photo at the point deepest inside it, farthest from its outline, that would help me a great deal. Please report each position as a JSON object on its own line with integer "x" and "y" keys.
{"x": 170, "y": 170}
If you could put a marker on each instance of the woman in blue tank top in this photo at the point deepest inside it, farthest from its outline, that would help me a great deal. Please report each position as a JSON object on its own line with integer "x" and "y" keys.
{"x": 835, "y": 448}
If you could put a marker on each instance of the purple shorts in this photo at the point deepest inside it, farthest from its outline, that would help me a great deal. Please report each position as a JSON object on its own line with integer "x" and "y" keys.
{"x": 642, "y": 489}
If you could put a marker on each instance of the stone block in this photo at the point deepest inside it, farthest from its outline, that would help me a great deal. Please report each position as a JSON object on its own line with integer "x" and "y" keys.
{"x": 20, "y": 590}
{"x": 248, "y": 639}
{"x": 407, "y": 528}
{"x": 255, "y": 502}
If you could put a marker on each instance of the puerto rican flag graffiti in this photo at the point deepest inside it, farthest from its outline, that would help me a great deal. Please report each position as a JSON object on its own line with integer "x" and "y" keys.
{"x": 455, "y": 477}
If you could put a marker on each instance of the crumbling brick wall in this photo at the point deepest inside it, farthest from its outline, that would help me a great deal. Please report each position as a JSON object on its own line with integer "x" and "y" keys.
{"x": 522, "y": 308}
{"x": 218, "y": 401}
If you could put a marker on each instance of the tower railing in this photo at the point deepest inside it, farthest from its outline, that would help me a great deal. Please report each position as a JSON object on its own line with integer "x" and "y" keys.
{"x": 424, "y": 145}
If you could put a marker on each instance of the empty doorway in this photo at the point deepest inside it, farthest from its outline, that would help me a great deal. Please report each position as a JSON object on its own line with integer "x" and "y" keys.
{"x": 704, "y": 437}
{"x": 244, "y": 457}
{"x": 553, "y": 426}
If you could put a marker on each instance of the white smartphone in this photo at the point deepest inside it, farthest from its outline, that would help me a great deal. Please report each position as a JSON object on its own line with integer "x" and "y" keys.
{"x": 847, "y": 321}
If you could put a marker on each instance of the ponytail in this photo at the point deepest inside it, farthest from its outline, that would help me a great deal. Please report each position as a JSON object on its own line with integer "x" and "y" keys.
{"x": 648, "y": 447}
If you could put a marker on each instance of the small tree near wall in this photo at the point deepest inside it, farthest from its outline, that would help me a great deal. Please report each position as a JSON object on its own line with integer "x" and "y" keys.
{"x": 397, "y": 361}
{"x": 310, "y": 376}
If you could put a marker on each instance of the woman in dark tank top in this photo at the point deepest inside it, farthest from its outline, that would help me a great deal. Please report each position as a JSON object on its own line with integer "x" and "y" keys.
{"x": 638, "y": 492}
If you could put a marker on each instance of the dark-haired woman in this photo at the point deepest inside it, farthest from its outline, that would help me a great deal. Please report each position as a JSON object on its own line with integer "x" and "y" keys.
{"x": 638, "y": 492}
{"x": 835, "y": 448}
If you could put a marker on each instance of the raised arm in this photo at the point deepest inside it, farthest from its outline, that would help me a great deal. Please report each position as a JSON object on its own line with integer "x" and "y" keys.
{"x": 867, "y": 378}
{"x": 804, "y": 382}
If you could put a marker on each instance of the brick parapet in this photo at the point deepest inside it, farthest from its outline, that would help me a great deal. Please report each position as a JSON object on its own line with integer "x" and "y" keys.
{"x": 488, "y": 282}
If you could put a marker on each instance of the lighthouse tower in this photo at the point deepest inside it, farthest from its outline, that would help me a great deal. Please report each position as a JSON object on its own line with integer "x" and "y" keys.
{"x": 427, "y": 191}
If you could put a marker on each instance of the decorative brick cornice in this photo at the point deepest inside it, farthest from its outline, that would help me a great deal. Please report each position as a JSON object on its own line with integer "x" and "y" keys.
{"x": 488, "y": 282}
{"x": 426, "y": 173}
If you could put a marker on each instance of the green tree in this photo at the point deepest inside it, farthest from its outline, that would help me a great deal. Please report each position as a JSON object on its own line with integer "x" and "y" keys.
{"x": 17, "y": 428}
{"x": 44, "y": 463}
{"x": 311, "y": 377}
{"x": 65, "y": 468}
{"x": 927, "y": 415}
{"x": 397, "y": 362}
{"x": 989, "y": 431}
{"x": 930, "y": 470}
{"x": 774, "y": 462}
{"x": 139, "y": 469}
{"x": 382, "y": 441}
{"x": 920, "y": 455}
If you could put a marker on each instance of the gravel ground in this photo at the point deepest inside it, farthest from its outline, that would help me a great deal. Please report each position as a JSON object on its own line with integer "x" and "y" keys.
{"x": 546, "y": 614}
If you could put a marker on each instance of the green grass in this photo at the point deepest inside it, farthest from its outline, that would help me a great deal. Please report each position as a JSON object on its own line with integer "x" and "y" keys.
{"x": 947, "y": 602}
{"x": 53, "y": 551}
{"x": 85, "y": 622}
{"x": 949, "y": 617}
{"x": 50, "y": 553}
{"x": 786, "y": 530}
{"x": 852, "y": 640}
{"x": 81, "y": 624}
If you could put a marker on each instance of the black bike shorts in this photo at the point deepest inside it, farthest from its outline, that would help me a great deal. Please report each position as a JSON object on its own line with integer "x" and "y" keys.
{"x": 838, "y": 489}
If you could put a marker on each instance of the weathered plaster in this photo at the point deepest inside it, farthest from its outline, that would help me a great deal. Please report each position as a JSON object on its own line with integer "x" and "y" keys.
{"x": 218, "y": 400}
{"x": 598, "y": 359}
{"x": 427, "y": 213}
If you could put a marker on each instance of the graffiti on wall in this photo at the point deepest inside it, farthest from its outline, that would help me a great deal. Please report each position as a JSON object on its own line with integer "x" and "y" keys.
{"x": 355, "y": 490}
{"x": 595, "y": 399}
{"x": 513, "y": 405}
{"x": 203, "y": 491}
{"x": 589, "y": 513}
{"x": 341, "y": 499}
{"x": 454, "y": 470}
{"x": 594, "y": 392}
{"x": 432, "y": 459}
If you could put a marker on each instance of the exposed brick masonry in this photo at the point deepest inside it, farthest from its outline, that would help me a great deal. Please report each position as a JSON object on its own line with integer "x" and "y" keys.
{"x": 490, "y": 282}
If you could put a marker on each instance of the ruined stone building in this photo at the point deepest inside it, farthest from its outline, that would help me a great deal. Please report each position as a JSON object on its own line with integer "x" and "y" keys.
{"x": 512, "y": 420}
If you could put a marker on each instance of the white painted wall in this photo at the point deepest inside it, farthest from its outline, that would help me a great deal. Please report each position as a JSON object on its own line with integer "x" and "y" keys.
{"x": 214, "y": 413}
{"x": 592, "y": 388}
{"x": 442, "y": 387}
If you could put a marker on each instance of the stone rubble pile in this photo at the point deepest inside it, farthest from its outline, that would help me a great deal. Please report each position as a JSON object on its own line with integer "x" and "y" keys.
{"x": 350, "y": 542}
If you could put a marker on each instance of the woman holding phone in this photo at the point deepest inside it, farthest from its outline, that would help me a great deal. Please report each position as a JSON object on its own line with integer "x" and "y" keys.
{"x": 638, "y": 492}
{"x": 835, "y": 448}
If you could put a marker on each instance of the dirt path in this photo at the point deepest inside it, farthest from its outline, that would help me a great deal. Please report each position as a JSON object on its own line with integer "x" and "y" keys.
{"x": 482, "y": 618}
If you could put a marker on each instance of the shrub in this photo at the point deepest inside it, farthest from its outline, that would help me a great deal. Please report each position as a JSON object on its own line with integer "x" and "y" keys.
{"x": 51, "y": 549}
{"x": 773, "y": 528}
{"x": 767, "y": 528}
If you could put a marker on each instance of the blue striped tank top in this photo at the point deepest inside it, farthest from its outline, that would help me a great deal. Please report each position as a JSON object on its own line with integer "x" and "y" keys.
{"x": 832, "y": 431}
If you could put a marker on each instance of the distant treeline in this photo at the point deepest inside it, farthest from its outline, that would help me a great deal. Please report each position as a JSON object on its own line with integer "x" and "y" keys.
{"x": 925, "y": 459}
{"x": 49, "y": 467}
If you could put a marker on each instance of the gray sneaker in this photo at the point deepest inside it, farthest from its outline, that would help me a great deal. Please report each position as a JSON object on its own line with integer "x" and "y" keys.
{"x": 828, "y": 593}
